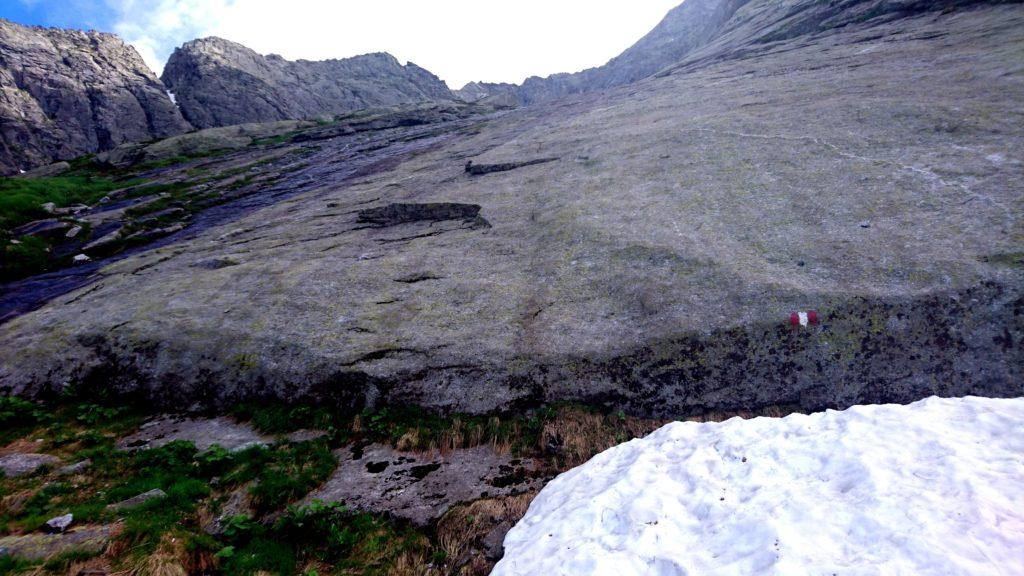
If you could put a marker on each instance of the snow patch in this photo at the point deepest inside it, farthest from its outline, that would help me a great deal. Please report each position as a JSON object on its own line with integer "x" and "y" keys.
{"x": 174, "y": 99}
{"x": 936, "y": 487}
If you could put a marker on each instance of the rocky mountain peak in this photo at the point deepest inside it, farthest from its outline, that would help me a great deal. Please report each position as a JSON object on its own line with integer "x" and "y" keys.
{"x": 219, "y": 82}
{"x": 64, "y": 93}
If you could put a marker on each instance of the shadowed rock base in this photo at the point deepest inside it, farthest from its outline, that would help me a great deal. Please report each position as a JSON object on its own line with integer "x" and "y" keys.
{"x": 864, "y": 351}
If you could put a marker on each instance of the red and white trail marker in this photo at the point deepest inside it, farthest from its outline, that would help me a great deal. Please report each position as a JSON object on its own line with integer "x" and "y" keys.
{"x": 804, "y": 319}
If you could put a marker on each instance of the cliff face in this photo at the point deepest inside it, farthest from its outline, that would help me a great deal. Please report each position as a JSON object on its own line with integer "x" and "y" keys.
{"x": 726, "y": 28}
{"x": 220, "y": 83}
{"x": 64, "y": 93}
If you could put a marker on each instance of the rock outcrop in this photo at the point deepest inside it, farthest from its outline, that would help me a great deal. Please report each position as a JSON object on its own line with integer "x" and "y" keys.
{"x": 502, "y": 94}
{"x": 218, "y": 83}
{"x": 64, "y": 93}
{"x": 654, "y": 267}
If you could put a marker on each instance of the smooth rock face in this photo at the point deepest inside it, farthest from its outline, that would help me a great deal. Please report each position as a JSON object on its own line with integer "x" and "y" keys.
{"x": 219, "y": 83}
{"x": 421, "y": 488}
{"x": 931, "y": 488}
{"x": 64, "y": 93}
{"x": 14, "y": 465}
{"x": 653, "y": 267}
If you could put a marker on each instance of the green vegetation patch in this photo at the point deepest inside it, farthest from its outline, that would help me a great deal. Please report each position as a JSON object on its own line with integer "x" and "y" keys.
{"x": 12, "y": 565}
{"x": 351, "y": 542}
{"x": 293, "y": 471}
{"x": 21, "y": 202}
{"x": 21, "y": 199}
{"x": 25, "y": 257}
{"x": 18, "y": 417}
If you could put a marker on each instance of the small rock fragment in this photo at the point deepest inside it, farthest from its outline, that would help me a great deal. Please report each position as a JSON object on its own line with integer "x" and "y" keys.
{"x": 865, "y": 224}
{"x": 73, "y": 232}
{"x": 74, "y": 468}
{"x": 80, "y": 259}
{"x": 494, "y": 542}
{"x": 103, "y": 241}
{"x": 136, "y": 501}
{"x": 60, "y": 523}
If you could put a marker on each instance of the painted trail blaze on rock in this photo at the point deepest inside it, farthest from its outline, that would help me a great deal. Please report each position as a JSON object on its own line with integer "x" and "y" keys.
{"x": 803, "y": 319}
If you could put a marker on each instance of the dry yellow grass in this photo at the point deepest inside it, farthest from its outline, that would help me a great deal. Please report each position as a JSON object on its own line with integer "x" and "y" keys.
{"x": 478, "y": 566}
{"x": 466, "y": 525}
{"x": 575, "y": 435}
{"x": 169, "y": 559}
{"x": 412, "y": 564}
{"x": 718, "y": 416}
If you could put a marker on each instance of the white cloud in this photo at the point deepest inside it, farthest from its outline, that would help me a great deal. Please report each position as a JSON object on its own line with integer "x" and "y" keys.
{"x": 459, "y": 40}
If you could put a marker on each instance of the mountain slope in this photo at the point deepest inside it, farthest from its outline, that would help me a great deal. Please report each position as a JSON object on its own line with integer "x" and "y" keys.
{"x": 64, "y": 93}
{"x": 641, "y": 247}
{"x": 221, "y": 83}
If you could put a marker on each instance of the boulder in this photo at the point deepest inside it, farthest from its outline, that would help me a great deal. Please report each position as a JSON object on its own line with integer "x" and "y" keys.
{"x": 75, "y": 468}
{"x": 60, "y": 523}
{"x": 14, "y": 465}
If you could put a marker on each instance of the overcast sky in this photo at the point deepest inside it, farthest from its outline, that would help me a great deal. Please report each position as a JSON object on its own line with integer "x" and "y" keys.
{"x": 459, "y": 40}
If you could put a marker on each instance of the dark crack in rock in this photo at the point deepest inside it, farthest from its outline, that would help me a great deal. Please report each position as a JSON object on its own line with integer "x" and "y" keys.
{"x": 482, "y": 169}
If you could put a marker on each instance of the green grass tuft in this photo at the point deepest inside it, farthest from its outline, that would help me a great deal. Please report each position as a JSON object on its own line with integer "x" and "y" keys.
{"x": 295, "y": 470}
